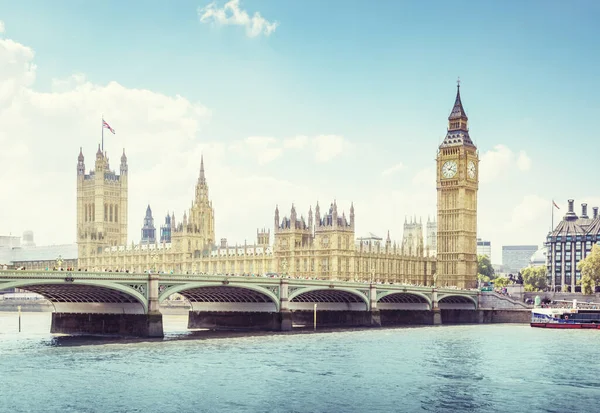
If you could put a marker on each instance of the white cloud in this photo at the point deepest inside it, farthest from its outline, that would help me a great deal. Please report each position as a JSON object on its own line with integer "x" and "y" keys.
{"x": 297, "y": 142}
{"x": 500, "y": 161}
{"x": 393, "y": 169}
{"x": 328, "y": 147}
{"x": 42, "y": 131}
{"x": 264, "y": 149}
{"x": 232, "y": 14}
{"x": 425, "y": 178}
{"x": 524, "y": 161}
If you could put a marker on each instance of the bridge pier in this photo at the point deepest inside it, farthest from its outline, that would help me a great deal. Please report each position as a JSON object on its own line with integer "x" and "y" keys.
{"x": 375, "y": 315}
{"x": 437, "y": 314}
{"x": 236, "y": 320}
{"x": 284, "y": 306}
{"x": 135, "y": 325}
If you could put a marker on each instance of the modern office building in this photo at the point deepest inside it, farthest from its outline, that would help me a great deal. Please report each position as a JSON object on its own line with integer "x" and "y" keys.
{"x": 484, "y": 248}
{"x": 517, "y": 257}
{"x": 570, "y": 242}
{"x": 18, "y": 252}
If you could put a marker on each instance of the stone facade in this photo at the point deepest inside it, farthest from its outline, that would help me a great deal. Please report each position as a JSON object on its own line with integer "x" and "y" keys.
{"x": 101, "y": 205}
{"x": 457, "y": 185}
{"x": 322, "y": 246}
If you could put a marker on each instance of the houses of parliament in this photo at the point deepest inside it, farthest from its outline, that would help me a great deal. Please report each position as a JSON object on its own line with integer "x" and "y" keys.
{"x": 323, "y": 245}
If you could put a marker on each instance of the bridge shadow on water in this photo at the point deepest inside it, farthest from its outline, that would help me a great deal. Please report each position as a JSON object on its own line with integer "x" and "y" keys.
{"x": 200, "y": 334}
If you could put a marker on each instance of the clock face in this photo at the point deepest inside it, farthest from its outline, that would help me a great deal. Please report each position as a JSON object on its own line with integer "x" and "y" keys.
{"x": 471, "y": 169}
{"x": 449, "y": 169}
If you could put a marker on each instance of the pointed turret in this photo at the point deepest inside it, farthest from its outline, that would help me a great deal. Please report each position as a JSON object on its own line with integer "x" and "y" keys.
{"x": 202, "y": 178}
{"x": 276, "y": 217}
{"x": 318, "y": 214}
{"x": 458, "y": 112}
{"x": 458, "y": 126}
{"x": 80, "y": 163}
{"x": 352, "y": 214}
{"x": 124, "y": 163}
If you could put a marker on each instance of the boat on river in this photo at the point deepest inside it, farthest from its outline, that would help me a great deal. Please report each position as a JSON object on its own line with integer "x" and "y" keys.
{"x": 561, "y": 314}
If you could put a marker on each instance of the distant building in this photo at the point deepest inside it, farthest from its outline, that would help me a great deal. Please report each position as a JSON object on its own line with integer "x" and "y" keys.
{"x": 570, "y": 242}
{"x": 431, "y": 237}
{"x": 371, "y": 240}
{"x": 148, "y": 230}
{"x": 24, "y": 253}
{"x": 412, "y": 237}
{"x": 539, "y": 257}
{"x": 517, "y": 257}
{"x": 484, "y": 248}
{"x": 167, "y": 229}
{"x": 9, "y": 241}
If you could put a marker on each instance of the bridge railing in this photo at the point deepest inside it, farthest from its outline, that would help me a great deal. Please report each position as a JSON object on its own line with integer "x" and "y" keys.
{"x": 275, "y": 279}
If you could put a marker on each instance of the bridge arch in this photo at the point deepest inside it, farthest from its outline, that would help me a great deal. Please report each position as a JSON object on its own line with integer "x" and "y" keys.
{"x": 457, "y": 302}
{"x": 338, "y": 298}
{"x": 86, "y": 296}
{"x": 401, "y": 300}
{"x": 216, "y": 296}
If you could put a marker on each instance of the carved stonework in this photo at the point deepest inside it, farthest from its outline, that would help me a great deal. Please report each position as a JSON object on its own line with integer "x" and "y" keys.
{"x": 274, "y": 289}
{"x": 163, "y": 287}
{"x": 291, "y": 290}
{"x": 140, "y": 288}
{"x": 364, "y": 292}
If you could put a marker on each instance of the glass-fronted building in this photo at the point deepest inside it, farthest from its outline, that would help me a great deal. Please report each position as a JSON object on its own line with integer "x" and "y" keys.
{"x": 570, "y": 242}
{"x": 484, "y": 248}
{"x": 517, "y": 257}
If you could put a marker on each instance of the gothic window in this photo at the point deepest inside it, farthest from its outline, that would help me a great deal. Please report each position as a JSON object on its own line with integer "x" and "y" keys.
{"x": 116, "y": 213}
{"x": 105, "y": 212}
{"x": 111, "y": 213}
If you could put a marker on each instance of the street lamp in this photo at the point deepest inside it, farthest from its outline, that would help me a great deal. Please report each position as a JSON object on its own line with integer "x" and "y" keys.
{"x": 284, "y": 266}
{"x": 372, "y": 273}
{"x": 154, "y": 257}
{"x": 59, "y": 262}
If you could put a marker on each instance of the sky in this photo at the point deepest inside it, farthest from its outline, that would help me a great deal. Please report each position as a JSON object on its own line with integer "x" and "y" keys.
{"x": 298, "y": 102}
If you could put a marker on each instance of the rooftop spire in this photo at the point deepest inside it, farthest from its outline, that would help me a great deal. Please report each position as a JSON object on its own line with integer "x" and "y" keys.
{"x": 458, "y": 124}
{"x": 458, "y": 112}
{"x": 202, "y": 178}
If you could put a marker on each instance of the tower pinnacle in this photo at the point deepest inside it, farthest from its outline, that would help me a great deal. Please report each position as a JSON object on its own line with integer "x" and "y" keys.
{"x": 458, "y": 125}
{"x": 202, "y": 179}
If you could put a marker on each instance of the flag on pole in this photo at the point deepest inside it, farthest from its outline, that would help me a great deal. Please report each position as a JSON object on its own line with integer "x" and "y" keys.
{"x": 107, "y": 126}
{"x": 553, "y": 203}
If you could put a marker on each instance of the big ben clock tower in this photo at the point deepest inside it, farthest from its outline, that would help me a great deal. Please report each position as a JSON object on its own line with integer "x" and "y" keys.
{"x": 457, "y": 184}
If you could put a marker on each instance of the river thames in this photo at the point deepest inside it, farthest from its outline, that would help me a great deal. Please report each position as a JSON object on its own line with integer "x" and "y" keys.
{"x": 471, "y": 368}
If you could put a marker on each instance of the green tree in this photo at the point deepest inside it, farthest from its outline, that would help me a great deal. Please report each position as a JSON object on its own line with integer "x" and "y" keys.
{"x": 590, "y": 270}
{"x": 484, "y": 266}
{"x": 587, "y": 285}
{"x": 483, "y": 278}
{"x": 534, "y": 278}
{"x": 501, "y": 282}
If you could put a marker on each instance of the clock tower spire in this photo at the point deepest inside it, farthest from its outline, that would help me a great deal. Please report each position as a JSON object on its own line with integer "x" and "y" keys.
{"x": 457, "y": 185}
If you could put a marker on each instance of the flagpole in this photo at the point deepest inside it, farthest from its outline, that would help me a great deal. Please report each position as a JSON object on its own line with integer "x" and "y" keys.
{"x": 552, "y": 206}
{"x": 102, "y": 133}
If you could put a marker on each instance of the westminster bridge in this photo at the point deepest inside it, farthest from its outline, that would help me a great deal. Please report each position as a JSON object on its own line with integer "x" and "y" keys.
{"x": 129, "y": 304}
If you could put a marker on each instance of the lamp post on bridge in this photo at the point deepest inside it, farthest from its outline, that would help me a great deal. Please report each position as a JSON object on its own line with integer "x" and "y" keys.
{"x": 284, "y": 267}
{"x": 372, "y": 273}
{"x": 59, "y": 262}
{"x": 154, "y": 258}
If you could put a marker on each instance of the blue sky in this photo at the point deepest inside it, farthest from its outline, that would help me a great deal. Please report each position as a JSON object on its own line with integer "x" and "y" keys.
{"x": 380, "y": 77}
